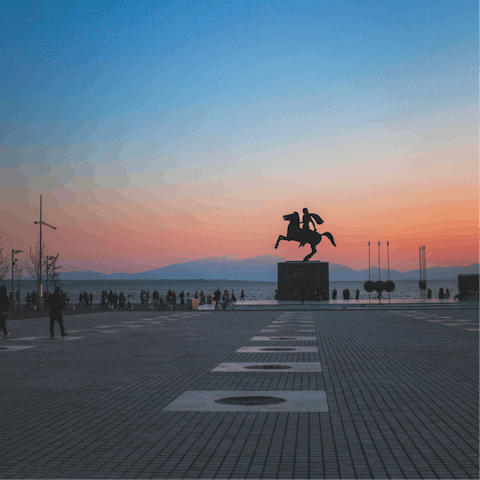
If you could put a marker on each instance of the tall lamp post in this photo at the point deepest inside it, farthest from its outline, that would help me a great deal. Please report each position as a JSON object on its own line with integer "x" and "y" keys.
{"x": 14, "y": 252}
{"x": 41, "y": 222}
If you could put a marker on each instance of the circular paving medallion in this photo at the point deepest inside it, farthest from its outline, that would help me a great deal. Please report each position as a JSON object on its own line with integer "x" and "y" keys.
{"x": 250, "y": 401}
{"x": 268, "y": 367}
{"x": 277, "y": 349}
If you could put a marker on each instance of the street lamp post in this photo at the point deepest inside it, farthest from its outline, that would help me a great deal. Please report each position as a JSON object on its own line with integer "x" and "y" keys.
{"x": 14, "y": 252}
{"x": 41, "y": 222}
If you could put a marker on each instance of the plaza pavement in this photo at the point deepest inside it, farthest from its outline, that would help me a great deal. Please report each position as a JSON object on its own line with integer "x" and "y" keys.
{"x": 401, "y": 391}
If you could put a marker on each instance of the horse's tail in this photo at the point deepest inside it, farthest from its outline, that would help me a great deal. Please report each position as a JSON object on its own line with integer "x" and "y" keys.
{"x": 330, "y": 237}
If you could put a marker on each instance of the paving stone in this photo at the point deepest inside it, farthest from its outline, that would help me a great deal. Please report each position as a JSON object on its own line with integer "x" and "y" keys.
{"x": 402, "y": 395}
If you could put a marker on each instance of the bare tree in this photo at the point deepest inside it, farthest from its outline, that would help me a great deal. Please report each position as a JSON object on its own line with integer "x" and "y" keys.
{"x": 53, "y": 270}
{"x": 18, "y": 276}
{"x": 4, "y": 269}
{"x": 33, "y": 261}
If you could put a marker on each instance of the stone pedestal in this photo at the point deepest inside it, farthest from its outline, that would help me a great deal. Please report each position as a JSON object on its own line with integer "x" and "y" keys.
{"x": 292, "y": 276}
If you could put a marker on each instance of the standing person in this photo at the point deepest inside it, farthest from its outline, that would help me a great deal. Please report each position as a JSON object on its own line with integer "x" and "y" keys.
{"x": 303, "y": 293}
{"x": 233, "y": 297}
{"x": 34, "y": 298}
{"x": 80, "y": 299}
{"x": 129, "y": 302}
{"x": 357, "y": 294}
{"x": 85, "y": 299}
{"x": 429, "y": 294}
{"x": 174, "y": 297}
{"x": 29, "y": 299}
{"x": 4, "y": 305}
{"x": 110, "y": 298}
{"x": 91, "y": 298}
{"x": 242, "y": 295}
{"x": 103, "y": 303}
{"x": 440, "y": 294}
{"x": 182, "y": 297}
{"x": 121, "y": 301}
{"x": 68, "y": 298}
{"x": 55, "y": 306}
{"x": 318, "y": 295}
{"x": 447, "y": 293}
{"x": 115, "y": 300}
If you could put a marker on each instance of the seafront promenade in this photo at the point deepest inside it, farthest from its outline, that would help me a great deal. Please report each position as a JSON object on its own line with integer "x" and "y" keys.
{"x": 346, "y": 393}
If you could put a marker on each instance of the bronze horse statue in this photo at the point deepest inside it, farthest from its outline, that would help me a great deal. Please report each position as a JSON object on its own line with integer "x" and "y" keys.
{"x": 295, "y": 233}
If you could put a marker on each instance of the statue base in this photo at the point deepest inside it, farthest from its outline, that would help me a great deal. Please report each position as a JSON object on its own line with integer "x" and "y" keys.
{"x": 292, "y": 276}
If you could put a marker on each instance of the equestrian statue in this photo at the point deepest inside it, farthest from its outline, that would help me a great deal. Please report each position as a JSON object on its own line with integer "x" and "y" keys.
{"x": 304, "y": 235}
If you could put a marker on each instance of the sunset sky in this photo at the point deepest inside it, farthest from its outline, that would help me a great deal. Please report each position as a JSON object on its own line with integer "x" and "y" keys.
{"x": 159, "y": 132}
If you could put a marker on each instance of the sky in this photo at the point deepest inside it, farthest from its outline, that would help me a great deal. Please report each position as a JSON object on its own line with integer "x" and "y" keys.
{"x": 159, "y": 132}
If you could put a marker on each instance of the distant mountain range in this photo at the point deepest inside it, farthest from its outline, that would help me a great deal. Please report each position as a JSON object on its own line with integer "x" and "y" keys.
{"x": 262, "y": 268}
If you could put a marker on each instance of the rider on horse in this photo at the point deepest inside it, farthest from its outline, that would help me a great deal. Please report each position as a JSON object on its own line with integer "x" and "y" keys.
{"x": 307, "y": 218}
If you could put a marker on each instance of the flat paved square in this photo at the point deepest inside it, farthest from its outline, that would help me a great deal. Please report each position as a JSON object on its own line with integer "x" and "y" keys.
{"x": 402, "y": 395}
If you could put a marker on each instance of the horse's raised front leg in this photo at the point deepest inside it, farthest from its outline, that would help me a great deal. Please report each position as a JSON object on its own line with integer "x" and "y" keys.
{"x": 281, "y": 237}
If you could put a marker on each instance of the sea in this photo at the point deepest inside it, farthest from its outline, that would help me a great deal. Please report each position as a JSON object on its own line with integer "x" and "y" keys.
{"x": 404, "y": 289}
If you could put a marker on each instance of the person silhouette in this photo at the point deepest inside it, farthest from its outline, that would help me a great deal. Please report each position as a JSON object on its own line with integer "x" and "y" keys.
{"x": 306, "y": 220}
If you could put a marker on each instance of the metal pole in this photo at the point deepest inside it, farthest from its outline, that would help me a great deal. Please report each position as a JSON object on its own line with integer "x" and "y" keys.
{"x": 424, "y": 270}
{"x": 379, "y": 260}
{"x": 40, "y": 265}
{"x": 388, "y": 266}
{"x": 13, "y": 295}
{"x": 369, "y": 268}
{"x": 369, "y": 260}
{"x": 420, "y": 269}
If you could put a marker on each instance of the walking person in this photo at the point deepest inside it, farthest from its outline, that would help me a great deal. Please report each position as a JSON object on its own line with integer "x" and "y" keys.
{"x": 55, "y": 306}
{"x": 242, "y": 295}
{"x": 4, "y": 305}
{"x": 303, "y": 294}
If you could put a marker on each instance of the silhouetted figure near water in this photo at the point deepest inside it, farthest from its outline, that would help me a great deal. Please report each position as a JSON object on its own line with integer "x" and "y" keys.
{"x": 129, "y": 302}
{"x": 4, "y": 306}
{"x": 103, "y": 303}
{"x": 242, "y": 295}
{"x": 429, "y": 294}
{"x": 303, "y": 293}
{"x": 121, "y": 301}
{"x": 357, "y": 294}
{"x": 182, "y": 297}
{"x": 334, "y": 294}
{"x": 55, "y": 306}
{"x": 440, "y": 294}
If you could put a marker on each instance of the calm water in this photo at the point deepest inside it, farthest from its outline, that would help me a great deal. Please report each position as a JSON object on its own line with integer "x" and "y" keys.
{"x": 405, "y": 289}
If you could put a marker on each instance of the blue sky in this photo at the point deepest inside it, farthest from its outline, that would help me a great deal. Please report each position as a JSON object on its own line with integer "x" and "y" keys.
{"x": 118, "y": 95}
